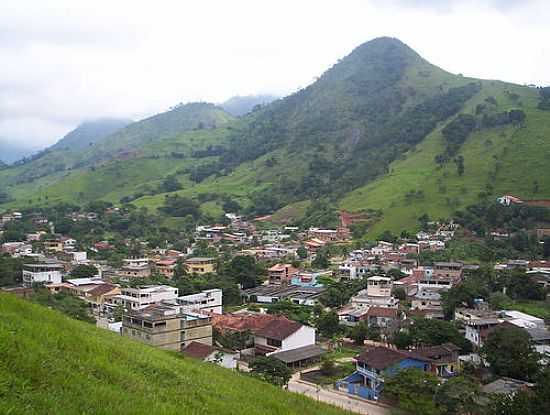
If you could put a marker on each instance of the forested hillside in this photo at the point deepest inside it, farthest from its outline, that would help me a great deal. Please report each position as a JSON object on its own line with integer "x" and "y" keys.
{"x": 382, "y": 131}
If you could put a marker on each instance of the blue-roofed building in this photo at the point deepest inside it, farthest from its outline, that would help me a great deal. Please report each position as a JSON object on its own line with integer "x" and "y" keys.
{"x": 376, "y": 364}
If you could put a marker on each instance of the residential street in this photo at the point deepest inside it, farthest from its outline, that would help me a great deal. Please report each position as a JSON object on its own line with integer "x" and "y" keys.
{"x": 335, "y": 398}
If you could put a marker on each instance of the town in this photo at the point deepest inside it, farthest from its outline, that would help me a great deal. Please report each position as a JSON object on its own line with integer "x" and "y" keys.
{"x": 357, "y": 324}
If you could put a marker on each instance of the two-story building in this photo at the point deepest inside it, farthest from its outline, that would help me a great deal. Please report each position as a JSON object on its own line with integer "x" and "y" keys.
{"x": 281, "y": 274}
{"x": 44, "y": 272}
{"x": 200, "y": 265}
{"x": 374, "y": 365}
{"x": 205, "y": 302}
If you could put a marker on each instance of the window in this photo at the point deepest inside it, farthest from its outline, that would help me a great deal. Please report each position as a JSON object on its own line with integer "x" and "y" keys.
{"x": 274, "y": 342}
{"x": 160, "y": 324}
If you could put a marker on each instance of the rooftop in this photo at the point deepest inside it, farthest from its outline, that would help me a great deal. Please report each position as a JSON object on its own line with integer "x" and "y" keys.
{"x": 299, "y": 354}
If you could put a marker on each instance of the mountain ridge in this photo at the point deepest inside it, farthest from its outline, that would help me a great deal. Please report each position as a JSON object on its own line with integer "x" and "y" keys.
{"x": 338, "y": 137}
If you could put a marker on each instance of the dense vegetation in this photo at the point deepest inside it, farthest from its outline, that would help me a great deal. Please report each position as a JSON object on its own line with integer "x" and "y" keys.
{"x": 71, "y": 367}
{"x": 381, "y": 131}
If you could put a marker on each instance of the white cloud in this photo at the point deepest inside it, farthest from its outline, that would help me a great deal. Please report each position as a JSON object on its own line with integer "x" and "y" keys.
{"x": 69, "y": 61}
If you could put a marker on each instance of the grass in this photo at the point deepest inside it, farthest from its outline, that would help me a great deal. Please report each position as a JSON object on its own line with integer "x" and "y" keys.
{"x": 539, "y": 309}
{"x": 522, "y": 155}
{"x": 51, "y": 364}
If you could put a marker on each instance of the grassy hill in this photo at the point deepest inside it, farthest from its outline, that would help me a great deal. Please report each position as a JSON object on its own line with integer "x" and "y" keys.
{"x": 364, "y": 136}
{"x": 500, "y": 160}
{"x": 51, "y": 364}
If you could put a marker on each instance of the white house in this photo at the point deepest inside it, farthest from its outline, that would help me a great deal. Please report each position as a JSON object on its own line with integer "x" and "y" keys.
{"x": 207, "y": 301}
{"x": 283, "y": 334}
{"x": 49, "y": 273}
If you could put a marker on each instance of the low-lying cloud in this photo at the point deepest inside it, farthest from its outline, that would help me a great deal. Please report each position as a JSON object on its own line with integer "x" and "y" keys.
{"x": 64, "y": 61}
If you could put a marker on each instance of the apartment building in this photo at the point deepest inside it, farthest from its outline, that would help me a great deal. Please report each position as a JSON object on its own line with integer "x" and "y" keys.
{"x": 45, "y": 272}
{"x": 167, "y": 326}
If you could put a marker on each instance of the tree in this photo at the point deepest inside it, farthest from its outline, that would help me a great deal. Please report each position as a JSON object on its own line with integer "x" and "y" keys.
{"x": 374, "y": 333}
{"x": 245, "y": 270}
{"x": 328, "y": 323}
{"x": 509, "y": 352}
{"x": 271, "y": 370}
{"x": 328, "y": 367}
{"x": 359, "y": 333}
{"x": 426, "y": 332}
{"x": 321, "y": 260}
{"x": 402, "y": 339}
{"x": 413, "y": 390}
{"x": 459, "y": 161}
{"x": 498, "y": 300}
{"x": 459, "y": 396}
{"x": 302, "y": 252}
{"x": 84, "y": 271}
{"x": 170, "y": 184}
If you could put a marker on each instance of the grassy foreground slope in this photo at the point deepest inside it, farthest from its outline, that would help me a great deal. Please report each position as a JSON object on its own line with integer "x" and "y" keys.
{"x": 51, "y": 364}
{"x": 497, "y": 161}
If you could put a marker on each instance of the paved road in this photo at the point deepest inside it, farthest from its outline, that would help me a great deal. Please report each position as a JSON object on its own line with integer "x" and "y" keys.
{"x": 336, "y": 398}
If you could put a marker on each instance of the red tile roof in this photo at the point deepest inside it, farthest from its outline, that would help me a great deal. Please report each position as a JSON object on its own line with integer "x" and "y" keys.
{"x": 198, "y": 350}
{"x": 382, "y": 312}
{"x": 279, "y": 329}
{"x": 241, "y": 322}
{"x": 382, "y": 357}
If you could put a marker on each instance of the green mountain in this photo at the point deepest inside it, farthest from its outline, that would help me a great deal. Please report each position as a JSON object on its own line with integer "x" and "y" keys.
{"x": 89, "y": 133}
{"x": 242, "y": 105}
{"x": 382, "y": 131}
{"x": 51, "y": 364}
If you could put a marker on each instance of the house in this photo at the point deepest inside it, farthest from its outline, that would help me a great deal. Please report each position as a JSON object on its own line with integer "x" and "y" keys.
{"x": 266, "y": 333}
{"x": 309, "y": 278}
{"x": 69, "y": 244}
{"x": 444, "y": 359}
{"x": 166, "y": 267}
{"x": 540, "y": 339}
{"x": 135, "y": 271}
{"x": 268, "y": 294}
{"x": 223, "y": 357}
{"x": 141, "y": 297}
{"x": 506, "y": 386}
{"x": 44, "y": 272}
{"x": 508, "y": 200}
{"x": 325, "y": 235}
{"x": 374, "y": 365}
{"x": 384, "y": 317}
{"x": 477, "y": 330}
{"x": 205, "y": 302}
{"x": 282, "y": 334}
{"x": 200, "y": 265}
{"x": 426, "y": 299}
{"x": 378, "y": 293}
{"x": 166, "y": 326}
{"x": 281, "y": 273}
{"x": 53, "y": 245}
{"x": 523, "y": 320}
{"x": 448, "y": 269}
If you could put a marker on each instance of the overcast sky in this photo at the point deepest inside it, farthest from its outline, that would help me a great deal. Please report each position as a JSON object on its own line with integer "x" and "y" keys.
{"x": 72, "y": 60}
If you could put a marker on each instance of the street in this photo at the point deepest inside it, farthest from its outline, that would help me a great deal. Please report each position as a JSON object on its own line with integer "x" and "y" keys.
{"x": 336, "y": 398}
